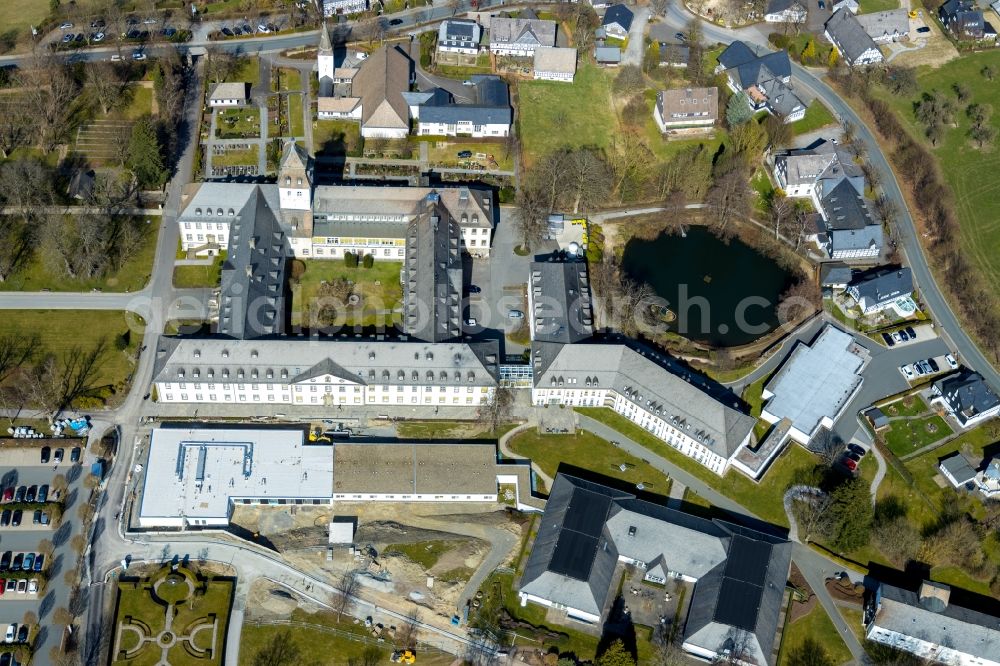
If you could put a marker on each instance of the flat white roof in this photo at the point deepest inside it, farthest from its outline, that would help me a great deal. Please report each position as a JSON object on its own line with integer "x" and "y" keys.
{"x": 817, "y": 381}
{"x": 195, "y": 472}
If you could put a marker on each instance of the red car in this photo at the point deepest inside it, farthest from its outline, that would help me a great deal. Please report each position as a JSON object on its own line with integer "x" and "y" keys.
{"x": 8, "y": 494}
{"x": 3, "y": 584}
{"x": 850, "y": 464}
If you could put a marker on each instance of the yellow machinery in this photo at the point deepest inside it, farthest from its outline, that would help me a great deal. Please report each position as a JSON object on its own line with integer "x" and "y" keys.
{"x": 403, "y": 657}
{"x": 316, "y": 435}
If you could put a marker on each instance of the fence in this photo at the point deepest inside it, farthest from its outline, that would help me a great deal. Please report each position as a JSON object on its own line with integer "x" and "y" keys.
{"x": 360, "y": 638}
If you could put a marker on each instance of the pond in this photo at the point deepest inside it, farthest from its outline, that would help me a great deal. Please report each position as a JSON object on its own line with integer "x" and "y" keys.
{"x": 723, "y": 294}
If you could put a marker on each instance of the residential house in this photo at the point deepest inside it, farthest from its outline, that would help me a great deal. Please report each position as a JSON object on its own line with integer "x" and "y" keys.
{"x": 785, "y": 11}
{"x": 81, "y": 184}
{"x": 851, "y": 5}
{"x": 928, "y": 624}
{"x": 588, "y": 530}
{"x": 520, "y": 37}
{"x": 686, "y": 108}
{"x": 459, "y": 36}
{"x": 552, "y": 63}
{"x": 640, "y": 387}
{"x": 849, "y": 230}
{"x": 764, "y": 78}
{"x": 229, "y": 95}
{"x": 878, "y": 289}
{"x": 967, "y": 397}
{"x": 856, "y": 47}
{"x": 888, "y": 26}
{"x": 958, "y": 471}
{"x": 988, "y": 481}
{"x": 673, "y": 54}
{"x": 964, "y": 20}
{"x": 335, "y": 7}
{"x": 559, "y": 303}
{"x": 432, "y": 274}
{"x": 835, "y": 275}
{"x": 804, "y": 172}
{"x": 617, "y": 21}
{"x": 609, "y": 56}
{"x": 489, "y": 116}
{"x": 995, "y": 6}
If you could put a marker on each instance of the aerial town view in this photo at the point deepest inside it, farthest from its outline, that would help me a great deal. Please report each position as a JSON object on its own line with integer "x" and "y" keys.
{"x": 497, "y": 332}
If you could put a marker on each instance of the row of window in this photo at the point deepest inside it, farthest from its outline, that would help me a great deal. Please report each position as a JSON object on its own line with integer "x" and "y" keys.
{"x": 315, "y": 400}
{"x": 209, "y": 226}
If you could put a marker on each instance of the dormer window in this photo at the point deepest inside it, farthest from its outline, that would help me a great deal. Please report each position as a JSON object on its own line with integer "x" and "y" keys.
{"x": 197, "y": 211}
{"x": 288, "y": 180}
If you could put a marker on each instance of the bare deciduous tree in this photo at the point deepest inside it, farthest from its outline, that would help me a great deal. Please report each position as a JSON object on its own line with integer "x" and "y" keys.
{"x": 105, "y": 84}
{"x": 49, "y": 91}
{"x": 497, "y": 409}
{"x": 531, "y": 216}
{"x": 346, "y": 588}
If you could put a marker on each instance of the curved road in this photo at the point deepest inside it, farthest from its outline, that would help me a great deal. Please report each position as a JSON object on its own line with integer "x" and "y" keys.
{"x": 947, "y": 323}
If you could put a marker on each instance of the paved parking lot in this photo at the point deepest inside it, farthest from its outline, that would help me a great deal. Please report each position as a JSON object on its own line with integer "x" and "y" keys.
{"x": 21, "y": 466}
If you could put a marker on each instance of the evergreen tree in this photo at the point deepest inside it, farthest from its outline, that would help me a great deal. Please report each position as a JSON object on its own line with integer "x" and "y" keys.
{"x": 809, "y": 52}
{"x": 615, "y": 655}
{"x": 738, "y": 109}
{"x": 145, "y": 158}
{"x": 833, "y": 59}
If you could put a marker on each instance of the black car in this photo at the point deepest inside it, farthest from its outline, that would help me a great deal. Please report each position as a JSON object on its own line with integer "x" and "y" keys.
{"x": 681, "y": 36}
{"x": 31, "y": 494}
{"x": 43, "y": 493}
{"x": 396, "y": 22}
{"x": 19, "y": 494}
{"x": 15, "y": 520}
{"x": 6, "y": 659}
{"x": 888, "y": 340}
{"x": 170, "y": 32}
{"x": 74, "y": 454}
{"x": 465, "y": 154}
{"x": 934, "y": 366}
{"x": 473, "y": 289}
{"x": 15, "y": 564}
{"x": 227, "y": 32}
{"x": 5, "y": 560}
{"x": 5, "y": 518}
{"x": 910, "y": 332}
{"x": 22, "y": 634}
{"x": 46, "y": 454}
{"x": 860, "y": 450}
{"x": 37, "y": 518}
{"x": 58, "y": 458}
{"x": 922, "y": 29}
{"x": 39, "y": 562}
{"x": 903, "y": 335}
{"x": 853, "y": 456}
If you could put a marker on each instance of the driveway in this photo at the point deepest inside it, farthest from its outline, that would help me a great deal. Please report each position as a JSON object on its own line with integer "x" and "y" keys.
{"x": 636, "y": 38}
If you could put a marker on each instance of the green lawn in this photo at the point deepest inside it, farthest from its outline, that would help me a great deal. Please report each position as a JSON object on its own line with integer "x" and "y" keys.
{"x": 752, "y": 396}
{"x": 963, "y": 166}
{"x": 555, "y": 115}
{"x": 337, "y": 138}
{"x": 248, "y": 71}
{"x": 289, "y": 78}
{"x": 237, "y": 123}
{"x": 869, "y": 6}
{"x": 238, "y": 157}
{"x": 909, "y": 435}
{"x": 925, "y": 467}
{"x": 424, "y": 553}
{"x": 765, "y": 499}
{"x": 296, "y": 122}
{"x": 911, "y": 405}
{"x": 463, "y": 72}
{"x": 133, "y": 275}
{"x": 386, "y": 295}
{"x": 817, "y": 116}
{"x": 140, "y": 102}
{"x": 88, "y": 328}
{"x": 815, "y": 624}
{"x": 590, "y": 452}
{"x": 445, "y": 153}
{"x": 186, "y": 277}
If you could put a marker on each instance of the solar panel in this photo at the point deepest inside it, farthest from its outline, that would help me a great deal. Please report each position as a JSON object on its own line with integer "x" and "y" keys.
{"x": 574, "y": 555}
{"x": 738, "y": 604}
{"x": 587, "y": 512}
{"x": 747, "y": 560}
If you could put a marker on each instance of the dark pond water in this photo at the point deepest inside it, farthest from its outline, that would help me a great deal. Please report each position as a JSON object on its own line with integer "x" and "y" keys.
{"x": 724, "y": 294}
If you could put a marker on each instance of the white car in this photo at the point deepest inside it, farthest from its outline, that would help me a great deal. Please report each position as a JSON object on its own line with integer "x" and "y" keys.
{"x": 263, "y": 28}
{"x": 897, "y": 337}
{"x": 33, "y": 586}
{"x": 515, "y": 314}
{"x": 116, "y": 58}
{"x": 907, "y": 371}
{"x": 150, "y": 21}
{"x": 470, "y": 322}
{"x": 952, "y": 363}
{"x": 11, "y": 633}
{"x": 99, "y": 37}
{"x": 65, "y": 26}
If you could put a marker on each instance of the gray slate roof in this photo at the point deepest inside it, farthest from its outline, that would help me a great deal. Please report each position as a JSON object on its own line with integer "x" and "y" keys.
{"x": 750, "y": 68}
{"x": 832, "y": 273}
{"x": 620, "y": 367}
{"x": 608, "y": 54}
{"x": 492, "y": 105}
{"x": 560, "y": 296}
{"x": 885, "y": 24}
{"x": 959, "y": 468}
{"x": 824, "y": 161}
{"x": 619, "y": 14}
{"x": 845, "y": 208}
{"x": 882, "y": 285}
{"x": 848, "y": 35}
{"x": 967, "y": 393}
{"x": 432, "y": 276}
{"x": 522, "y": 31}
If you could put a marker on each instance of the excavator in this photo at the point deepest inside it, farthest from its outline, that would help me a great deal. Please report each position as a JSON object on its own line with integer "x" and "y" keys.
{"x": 403, "y": 657}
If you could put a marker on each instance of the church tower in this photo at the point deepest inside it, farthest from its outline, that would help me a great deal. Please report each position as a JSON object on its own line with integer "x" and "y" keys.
{"x": 324, "y": 56}
{"x": 294, "y": 178}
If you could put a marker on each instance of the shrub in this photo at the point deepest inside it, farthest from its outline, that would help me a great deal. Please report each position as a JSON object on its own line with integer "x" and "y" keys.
{"x": 425, "y": 60}
{"x": 350, "y": 260}
{"x": 369, "y": 260}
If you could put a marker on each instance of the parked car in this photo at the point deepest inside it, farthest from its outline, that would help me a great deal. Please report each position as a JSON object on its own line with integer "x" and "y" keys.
{"x": 116, "y": 58}
{"x": 99, "y": 23}
{"x": 29, "y": 561}
{"x": 918, "y": 369}
{"x": 15, "y": 520}
{"x": 860, "y": 450}
{"x": 473, "y": 289}
{"x": 74, "y": 454}
{"x": 170, "y": 32}
{"x": 468, "y": 82}
{"x": 6, "y": 659}
{"x": 934, "y": 365}
{"x": 8, "y": 494}
{"x": 11, "y": 585}
{"x": 952, "y": 363}
{"x": 5, "y": 518}
{"x": 470, "y": 322}
{"x": 681, "y": 36}
{"x": 37, "y": 517}
{"x": 910, "y": 332}
{"x": 3, "y": 584}
{"x": 515, "y": 314}
{"x": 464, "y": 154}
{"x": 396, "y": 22}
{"x": 19, "y": 494}
{"x": 227, "y": 32}
{"x": 39, "y": 562}
{"x": 31, "y": 494}
{"x": 33, "y": 586}
{"x": 22, "y": 634}
{"x": 45, "y": 517}
{"x": 896, "y": 336}
{"x": 67, "y": 38}
{"x": 907, "y": 371}
{"x": 5, "y": 560}
{"x": 851, "y": 455}
{"x": 263, "y": 28}
{"x": 850, "y": 464}
{"x": 22, "y": 586}
{"x": 65, "y": 25}
{"x": 903, "y": 335}
{"x": 925, "y": 366}
{"x": 150, "y": 21}
{"x": 43, "y": 492}
{"x": 889, "y": 342}
{"x": 46, "y": 454}
{"x": 923, "y": 29}
{"x": 79, "y": 37}
{"x": 97, "y": 37}
{"x": 15, "y": 564}
{"x": 11, "y": 633}
{"x": 136, "y": 55}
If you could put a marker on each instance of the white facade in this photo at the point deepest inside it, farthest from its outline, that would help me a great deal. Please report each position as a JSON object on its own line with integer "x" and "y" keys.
{"x": 573, "y": 613}
{"x": 869, "y": 56}
{"x": 677, "y": 123}
{"x": 411, "y": 497}
{"x": 217, "y": 103}
{"x": 567, "y": 77}
{"x": 794, "y": 14}
{"x": 334, "y": 7}
{"x": 656, "y": 425}
{"x": 464, "y": 128}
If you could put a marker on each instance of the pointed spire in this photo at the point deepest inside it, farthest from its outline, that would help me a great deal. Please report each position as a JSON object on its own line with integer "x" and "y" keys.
{"x": 325, "y": 44}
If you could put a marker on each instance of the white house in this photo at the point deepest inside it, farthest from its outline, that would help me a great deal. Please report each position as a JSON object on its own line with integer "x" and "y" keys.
{"x": 520, "y": 37}
{"x": 855, "y": 45}
{"x": 850, "y": 5}
{"x": 335, "y": 7}
{"x": 686, "y": 108}
{"x": 785, "y": 11}
{"x": 877, "y": 290}
{"x": 889, "y": 26}
{"x": 229, "y": 95}
{"x": 555, "y": 64}
{"x": 966, "y": 397}
{"x": 459, "y": 36}
{"x": 617, "y": 21}
{"x": 488, "y": 116}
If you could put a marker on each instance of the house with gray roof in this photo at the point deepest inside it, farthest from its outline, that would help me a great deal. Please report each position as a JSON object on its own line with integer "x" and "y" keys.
{"x": 555, "y": 64}
{"x": 929, "y": 624}
{"x": 835, "y": 275}
{"x": 958, "y": 471}
{"x": 489, "y": 116}
{"x": 673, "y": 54}
{"x": 967, "y": 397}
{"x": 609, "y": 56}
{"x": 851, "y": 230}
{"x": 642, "y": 388}
{"x": 892, "y": 25}
{"x": 964, "y": 20}
{"x": 686, "y": 108}
{"x": 432, "y": 275}
{"x": 520, "y": 37}
{"x": 459, "y": 36}
{"x": 765, "y": 78}
{"x": 803, "y": 172}
{"x": 225, "y": 95}
{"x": 785, "y": 11}
{"x": 559, "y": 302}
{"x": 855, "y": 45}
{"x": 617, "y": 21}
{"x": 588, "y": 530}
{"x": 878, "y": 289}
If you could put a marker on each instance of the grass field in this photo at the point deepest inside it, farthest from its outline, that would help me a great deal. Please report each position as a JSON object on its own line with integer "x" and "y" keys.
{"x": 448, "y": 430}
{"x": 424, "y": 553}
{"x": 249, "y": 71}
{"x": 817, "y": 116}
{"x": 238, "y": 157}
{"x": 912, "y": 405}
{"x": 296, "y": 121}
{"x": 289, "y": 78}
{"x": 386, "y": 295}
{"x": 186, "y": 277}
{"x": 133, "y": 276}
{"x": 765, "y": 499}
{"x": 555, "y": 115}
{"x": 238, "y": 123}
{"x": 963, "y": 166}
{"x": 445, "y": 153}
{"x": 925, "y": 467}
{"x": 88, "y": 328}
{"x": 334, "y": 138}
{"x": 906, "y": 436}
{"x": 869, "y": 6}
{"x": 590, "y": 452}
{"x": 815, "y": 624}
